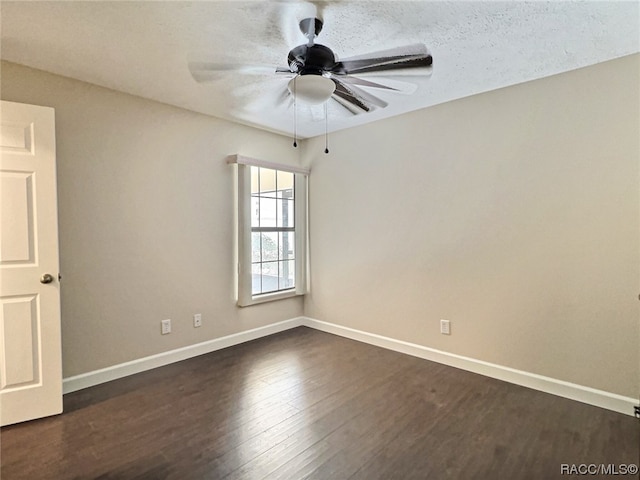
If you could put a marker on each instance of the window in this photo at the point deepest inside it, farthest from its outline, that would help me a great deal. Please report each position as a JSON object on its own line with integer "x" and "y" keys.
{"x": 271, "y": 232}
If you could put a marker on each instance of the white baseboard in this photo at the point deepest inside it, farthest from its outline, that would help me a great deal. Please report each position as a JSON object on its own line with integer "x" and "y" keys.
{"x": 580, "y": 393}
{"x": 96, "y": 377}
{"x": 591, "y": 396}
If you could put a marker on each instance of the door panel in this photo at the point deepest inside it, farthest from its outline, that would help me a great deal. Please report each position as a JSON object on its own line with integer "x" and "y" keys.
{"x": 16, "y": 197}
{"x": 19, "y": 342}
{"x": 30, "y": 352}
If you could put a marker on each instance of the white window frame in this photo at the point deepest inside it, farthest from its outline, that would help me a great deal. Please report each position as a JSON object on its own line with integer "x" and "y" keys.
{"x": 244, "y": 294}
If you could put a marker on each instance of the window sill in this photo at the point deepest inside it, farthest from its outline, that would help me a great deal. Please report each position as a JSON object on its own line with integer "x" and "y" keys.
{"x": 269, "y": 297}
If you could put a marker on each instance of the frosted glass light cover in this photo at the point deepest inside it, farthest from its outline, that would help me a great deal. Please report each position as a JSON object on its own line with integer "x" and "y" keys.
{"x": 312, "y": 89}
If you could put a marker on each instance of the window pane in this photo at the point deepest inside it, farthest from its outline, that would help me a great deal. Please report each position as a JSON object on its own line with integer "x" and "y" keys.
{"x": 287, "y": 274}
{"x": 287, "y": 245}
{"x": 268, "y": 212}
{"x": 285, "y": 213}
{"x": 269, "y": 246}
{"x": 269, "y": 277}
{"x": 256, "y": 279}
{"x": 286, "y": 193}
{"x": 255, "y": 212}
{"x": 255, "y": 171}
{"x": 267, "y": 182}
{"x": 255, "y": 247}
{"x": 285, "y": 184}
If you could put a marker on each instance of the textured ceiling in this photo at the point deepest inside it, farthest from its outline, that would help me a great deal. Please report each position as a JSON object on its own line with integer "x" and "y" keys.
{"x": 143, "y": 48}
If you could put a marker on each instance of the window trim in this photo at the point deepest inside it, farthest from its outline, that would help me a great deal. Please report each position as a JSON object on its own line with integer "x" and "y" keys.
{"x": 244, "y": 295}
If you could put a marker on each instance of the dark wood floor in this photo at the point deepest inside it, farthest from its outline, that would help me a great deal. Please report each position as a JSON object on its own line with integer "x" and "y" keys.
{"x": 306, "y": 404}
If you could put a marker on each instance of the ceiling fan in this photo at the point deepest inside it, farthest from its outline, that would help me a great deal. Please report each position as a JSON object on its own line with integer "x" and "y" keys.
{"x": 317, "y": 74}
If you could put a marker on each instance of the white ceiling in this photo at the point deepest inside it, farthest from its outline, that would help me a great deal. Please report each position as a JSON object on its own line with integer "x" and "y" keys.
{"x": 143, "y": 48}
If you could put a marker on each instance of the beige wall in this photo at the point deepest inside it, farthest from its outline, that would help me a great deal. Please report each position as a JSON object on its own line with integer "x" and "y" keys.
{"x": 514, "y": 214}
{"x": 146, "y": 217}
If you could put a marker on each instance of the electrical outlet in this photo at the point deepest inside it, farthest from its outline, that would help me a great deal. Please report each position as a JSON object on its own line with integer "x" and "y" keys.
{"x": 445, "y": 327}
{"x": 165, "y": 326}
{"x": 197, "y": 320}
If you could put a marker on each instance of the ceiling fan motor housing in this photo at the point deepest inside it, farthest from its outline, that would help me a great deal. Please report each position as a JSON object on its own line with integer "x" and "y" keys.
{"x": 311, "y": 60}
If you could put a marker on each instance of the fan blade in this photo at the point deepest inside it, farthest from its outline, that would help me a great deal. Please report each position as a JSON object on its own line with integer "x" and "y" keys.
{"x": 393, "y": 85}
{"x": 366, "y": 97}
{"x": 348, "y": 103}
{"x": 413, "y": 50}
{"x": 271, "y": 98}
{"x": 208, "y": 71}
{"x": 409, "y": 57}
{"x": 351, "y": 80}
{"x": 352, "y": 96}
{"x": 285, "y": 72}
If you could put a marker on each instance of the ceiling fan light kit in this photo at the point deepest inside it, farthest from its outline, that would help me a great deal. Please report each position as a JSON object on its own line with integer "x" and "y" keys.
{"x": 311, "y": 89}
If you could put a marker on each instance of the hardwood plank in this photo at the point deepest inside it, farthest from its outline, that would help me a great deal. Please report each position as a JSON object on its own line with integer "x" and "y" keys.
{"x": 307, "y": 404}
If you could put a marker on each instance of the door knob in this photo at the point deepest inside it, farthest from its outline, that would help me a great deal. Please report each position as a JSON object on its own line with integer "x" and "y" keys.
{"x": 46, "y": 278}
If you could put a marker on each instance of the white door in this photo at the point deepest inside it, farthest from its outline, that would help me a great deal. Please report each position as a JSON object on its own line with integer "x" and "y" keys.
{"x": 30, "y": 351}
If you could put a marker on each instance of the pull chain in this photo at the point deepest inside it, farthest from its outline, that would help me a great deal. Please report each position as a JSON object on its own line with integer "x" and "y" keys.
{"x": 295, "y": 131}
{"x": 326, "y": 128}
